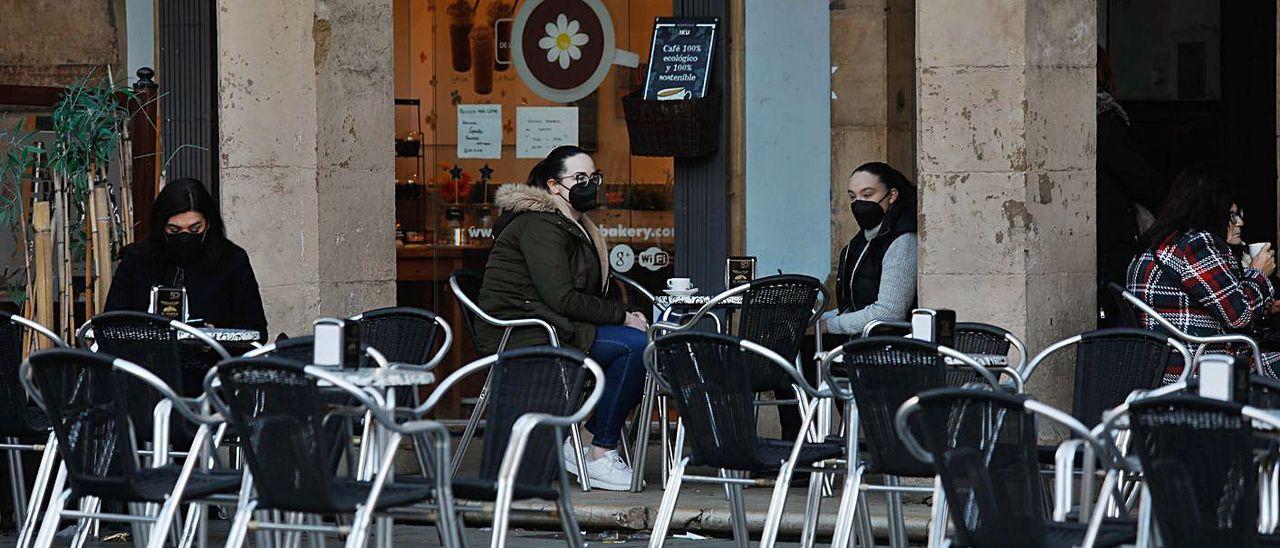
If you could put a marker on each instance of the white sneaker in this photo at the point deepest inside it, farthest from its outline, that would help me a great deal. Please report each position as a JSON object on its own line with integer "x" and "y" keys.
{"x": 570, "y": 458}
{"x": 609, "y": 472}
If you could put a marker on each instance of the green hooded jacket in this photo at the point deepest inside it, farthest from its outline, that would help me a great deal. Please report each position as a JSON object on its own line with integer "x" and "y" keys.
{"x": 547, "y": 262}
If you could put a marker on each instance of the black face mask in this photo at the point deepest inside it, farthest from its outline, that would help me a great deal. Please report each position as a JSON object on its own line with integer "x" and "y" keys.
{"x": 583, "y": 196}
{"x": 184, "y": 248}
{"x": 868, "y": 213}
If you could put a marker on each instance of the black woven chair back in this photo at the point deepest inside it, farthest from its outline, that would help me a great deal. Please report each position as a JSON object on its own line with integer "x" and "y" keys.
{"x": 88, "y": 409}
{"x": 1197, "y": 459}
{"x": 983, "y": 445}
{"x": 402, "y": 334}
{"x": 146, "y": 340}
{"x": 1264, "y": 392}
{"x": 300, "y": 350}
{"x": 981, "y": 338}
{"x": 469, "y": 282}
{"x": 538, "y": 379}
{"x": 276, "y": 407}
{"x": 1112, "y": 363}
{"x": 883, "y": 373}
{"x": 711, "y": 383}
{"x": 16, "y": 410}
{"x": 775, "y": 314}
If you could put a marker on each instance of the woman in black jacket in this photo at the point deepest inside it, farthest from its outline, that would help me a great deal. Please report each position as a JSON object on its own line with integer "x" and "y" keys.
{"x": 188, "y": 247}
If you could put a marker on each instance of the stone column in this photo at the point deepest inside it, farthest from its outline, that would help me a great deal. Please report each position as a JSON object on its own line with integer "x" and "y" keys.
{"x": 306, "y": 123}
{"x": 872, "y": 98}
{"x": 1006, "y": 137}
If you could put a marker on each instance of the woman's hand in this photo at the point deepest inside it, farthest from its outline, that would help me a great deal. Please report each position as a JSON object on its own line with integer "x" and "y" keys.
{"x": 1274, "y": 308}
{"x": 1265, "y": 261}
{"x": 636, "y": 320}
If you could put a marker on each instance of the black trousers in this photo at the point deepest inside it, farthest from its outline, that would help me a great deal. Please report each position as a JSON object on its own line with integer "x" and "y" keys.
{"x": 789, "y": 415}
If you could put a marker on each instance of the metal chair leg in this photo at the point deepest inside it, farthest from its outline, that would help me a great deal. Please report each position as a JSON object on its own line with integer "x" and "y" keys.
{"x": 482, "y": 401}
{"x": 664, "y": 436}
{"x": 240, "y": 524}
{"x": 17, "y": 479}
{"x": 644, "y": 415}
{"x": 668, "y": 507}
{"x": 866, "y": 533}
{"x": 848, "y": 507}
{"x": 575, "y": 439}
{"x": 49, "y": 527}
{"x": 741, "y": 536}
{"x": 938, "y": 516}
{"x": 48, "y": 457}
{"x": 812, "y": 509}
{"x": 897, "y": 533}
{"x": 568, "y": 520}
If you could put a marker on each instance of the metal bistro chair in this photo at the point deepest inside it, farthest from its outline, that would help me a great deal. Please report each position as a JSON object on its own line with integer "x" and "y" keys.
{"x": 710, "y": 377}
{"x": 970, "y": 338}
{"x": 536, "y": 394}
{"x": 1187, "y": 338}
{"x": 874, "y": 377}
{"x": 406, "y": 335}
{"x": 1199, "y": 468}
{"x": 775, "y": 312}
{"x": 21, "y": 421}
{"x": 278, "y": 403}
{"x": 85, "y": 398}
{"x": 982, "y": 444}
{"x": 465, "y": 285}
{"x": 153, "y": 343}
{"x": 1112, "y": 363}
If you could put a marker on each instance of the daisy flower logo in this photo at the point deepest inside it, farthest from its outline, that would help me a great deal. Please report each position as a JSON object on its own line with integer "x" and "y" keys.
{"x": 562, "y": 41}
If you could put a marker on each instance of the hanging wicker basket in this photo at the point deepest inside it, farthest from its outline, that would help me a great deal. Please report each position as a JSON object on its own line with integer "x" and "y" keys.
{"x": 683, "y": 129}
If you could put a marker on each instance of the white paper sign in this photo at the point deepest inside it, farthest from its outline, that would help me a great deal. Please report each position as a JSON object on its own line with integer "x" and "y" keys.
{"x": 541, "y": 129}
{"x": 480, "y": 131}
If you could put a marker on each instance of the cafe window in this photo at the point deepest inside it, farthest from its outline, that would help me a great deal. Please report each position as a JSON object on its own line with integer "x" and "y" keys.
{"x": 453, "y": 65}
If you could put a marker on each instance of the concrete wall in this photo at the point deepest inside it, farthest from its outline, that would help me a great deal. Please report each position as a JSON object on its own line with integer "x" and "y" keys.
{"x": 56, "y": 42}
{"x": 1006, "y": 136}
{"x": 787, "y": 132}
{"x": 306, "y": 160}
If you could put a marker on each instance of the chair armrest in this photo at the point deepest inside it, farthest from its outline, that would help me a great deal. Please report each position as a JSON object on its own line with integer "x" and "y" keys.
{"x": 626, "y": 280}
{"x": 1064, "y": 470}
{"x": 202, "y": 337}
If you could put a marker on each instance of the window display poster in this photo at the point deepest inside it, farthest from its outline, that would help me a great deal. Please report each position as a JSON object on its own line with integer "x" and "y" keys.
{"x": 539, "y": 130}
{"x": 480, "y": 131}
{"x": 680, "y": 58}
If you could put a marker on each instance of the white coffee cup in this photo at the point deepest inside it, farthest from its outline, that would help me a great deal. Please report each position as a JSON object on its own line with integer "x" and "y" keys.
{"x": 674, "y": 94}
{"x": 1255, "y": 249}
{"x": 679, "y": 284}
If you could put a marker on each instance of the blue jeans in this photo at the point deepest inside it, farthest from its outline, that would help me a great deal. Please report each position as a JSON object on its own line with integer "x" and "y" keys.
{"x": 620, "y": 352}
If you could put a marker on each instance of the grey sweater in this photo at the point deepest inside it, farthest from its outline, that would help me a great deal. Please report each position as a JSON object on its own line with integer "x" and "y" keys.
{"x": 897, "y": 290}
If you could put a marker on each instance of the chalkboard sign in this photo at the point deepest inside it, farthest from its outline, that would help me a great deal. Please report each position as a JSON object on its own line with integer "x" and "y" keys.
{"x": 680, "y": 59}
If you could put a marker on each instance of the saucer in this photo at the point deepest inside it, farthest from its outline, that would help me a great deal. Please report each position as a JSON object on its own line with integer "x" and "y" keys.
{"x": 681, "y": 292}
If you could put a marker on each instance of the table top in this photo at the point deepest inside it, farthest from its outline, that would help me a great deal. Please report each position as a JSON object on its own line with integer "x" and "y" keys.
{"x": 220, "y": 334}
{"x": 377, "y": 377}
{"x": 985, "y": 360}
{"x": 665, "y": 301}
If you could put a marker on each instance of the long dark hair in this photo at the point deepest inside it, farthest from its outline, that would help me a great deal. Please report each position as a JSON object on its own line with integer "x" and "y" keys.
{"x": 905, "y": 206}
{"x": 552, "y": 167}
{"x": 1200, "y": 199}
{"x": 180, "y": 196}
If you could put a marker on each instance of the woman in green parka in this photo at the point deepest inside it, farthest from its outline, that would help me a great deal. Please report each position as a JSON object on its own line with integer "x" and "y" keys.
{"x": 549, "y": 261}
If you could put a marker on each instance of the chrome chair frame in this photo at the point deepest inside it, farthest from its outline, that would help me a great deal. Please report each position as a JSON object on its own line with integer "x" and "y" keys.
{"x": 853, "y": 504}
{"x": 26, "y": 505}
{"x": 158, "y": 531}
{"x": 1014, "y": 341}
{"x": 436, "y": 358}
{"x": 651, "y": 394}
{"x": 777, "y": 501}
{"x": 357, "y": 532}
{"x": 1084, "y": 436}
{"x": 514, "y": 453}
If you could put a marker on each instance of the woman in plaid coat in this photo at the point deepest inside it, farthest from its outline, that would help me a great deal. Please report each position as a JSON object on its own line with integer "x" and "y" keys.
{"x": 1188, "y": 272}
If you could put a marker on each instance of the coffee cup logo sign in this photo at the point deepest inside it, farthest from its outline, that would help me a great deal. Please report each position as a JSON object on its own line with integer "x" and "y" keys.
{"x": 562, "y": 49}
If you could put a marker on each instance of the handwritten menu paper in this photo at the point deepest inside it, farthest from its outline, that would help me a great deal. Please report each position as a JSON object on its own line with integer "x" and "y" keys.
{"x": 541, "y": 129}
{"x": 480, "y": 131}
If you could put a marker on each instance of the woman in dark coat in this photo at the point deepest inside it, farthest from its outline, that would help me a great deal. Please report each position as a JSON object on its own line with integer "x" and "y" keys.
{"x": 549, "y": 262}
{"x": 188, "y": 247}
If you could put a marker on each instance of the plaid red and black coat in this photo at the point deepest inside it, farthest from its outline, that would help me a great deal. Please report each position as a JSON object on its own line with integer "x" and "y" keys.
{"x": 1196, "y": 282}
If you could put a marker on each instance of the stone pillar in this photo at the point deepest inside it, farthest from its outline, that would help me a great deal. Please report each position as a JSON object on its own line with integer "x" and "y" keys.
{"x": 872, "y": 98}
{"x": 306, "y": 123}
{"x": 1006, "y": 136}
